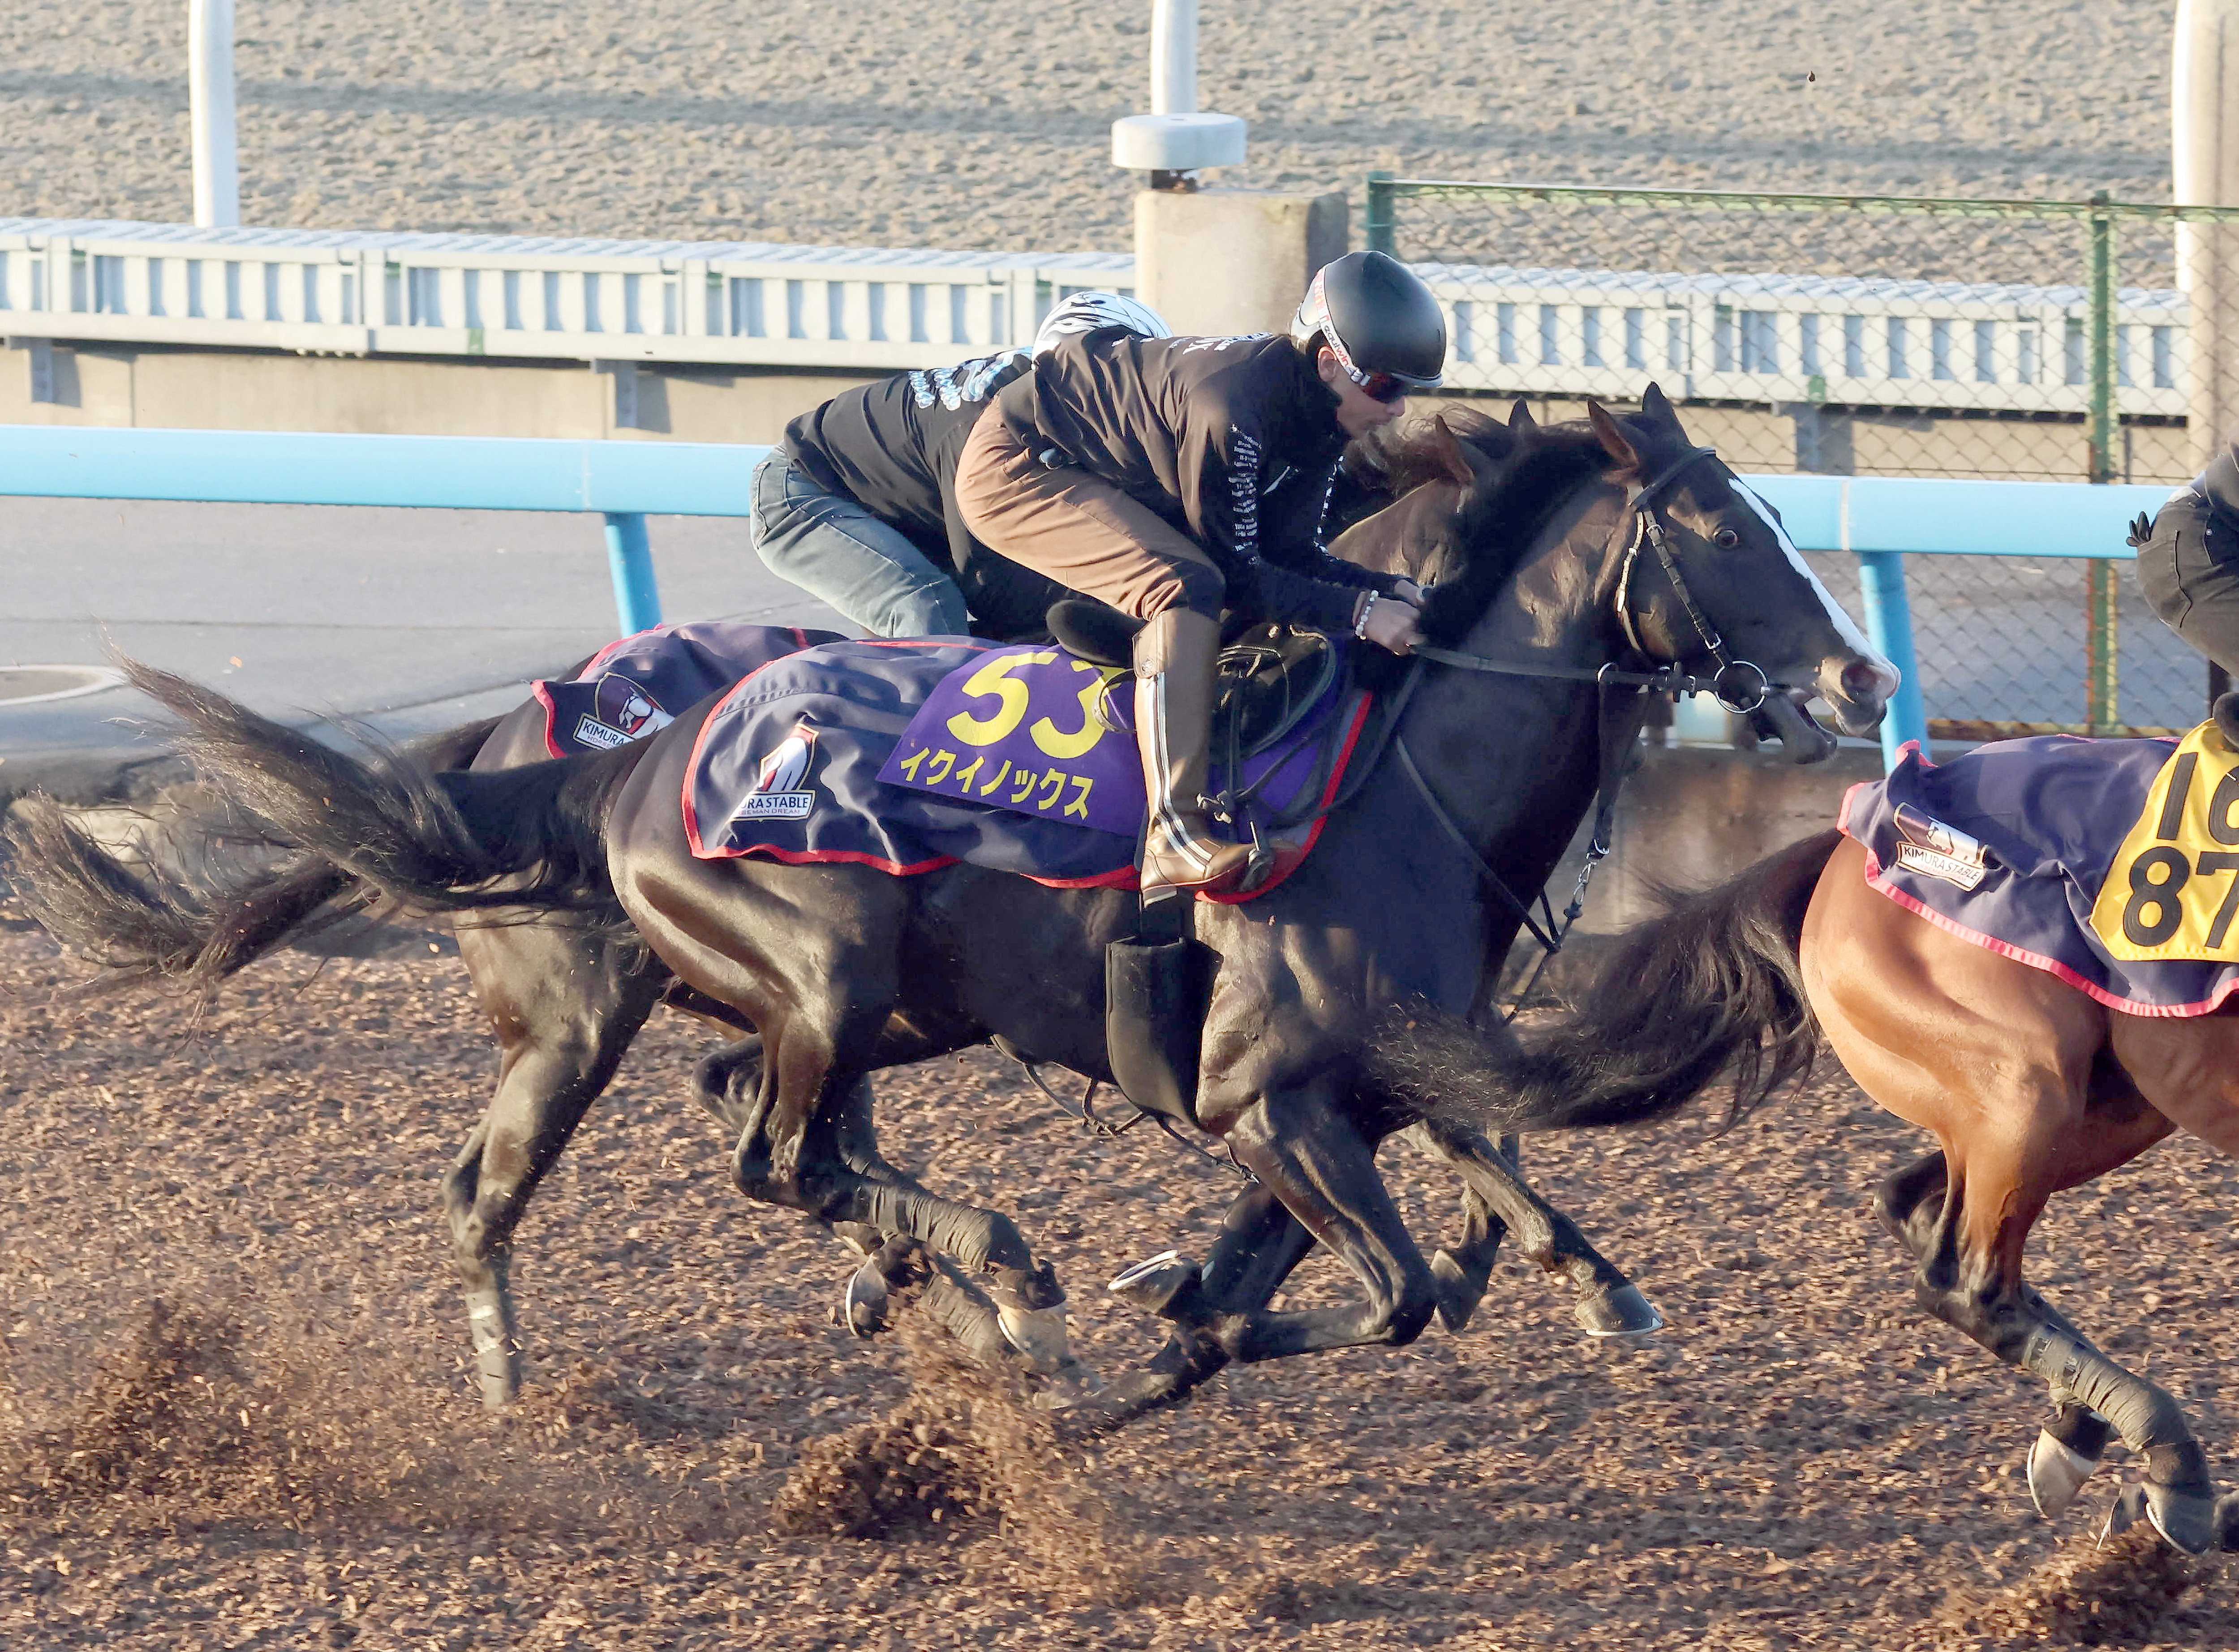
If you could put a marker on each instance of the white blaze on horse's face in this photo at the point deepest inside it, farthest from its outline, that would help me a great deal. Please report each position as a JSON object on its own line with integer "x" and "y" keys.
{"x": 1857, "y": 704}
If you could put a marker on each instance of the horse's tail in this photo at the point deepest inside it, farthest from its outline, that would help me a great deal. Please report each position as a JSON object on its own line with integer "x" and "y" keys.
{"x": 1712, "y": 987}
{"x": 523, "y": 838}
{"x": 423, "y": 840}
{"x": 143, "y": 923}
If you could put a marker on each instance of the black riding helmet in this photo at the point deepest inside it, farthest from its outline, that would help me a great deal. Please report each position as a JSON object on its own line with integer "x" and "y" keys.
{"x": 1379, "y": 321}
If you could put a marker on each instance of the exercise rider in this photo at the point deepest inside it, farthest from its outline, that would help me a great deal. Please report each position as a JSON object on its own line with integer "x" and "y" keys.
{"x": 2188, "y": 570}
{"x": 856, "y": 505}
{"x": 1170, "y": 476}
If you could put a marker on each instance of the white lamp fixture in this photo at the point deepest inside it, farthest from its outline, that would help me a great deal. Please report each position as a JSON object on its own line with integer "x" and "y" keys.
{"x": 1176, "y": 139}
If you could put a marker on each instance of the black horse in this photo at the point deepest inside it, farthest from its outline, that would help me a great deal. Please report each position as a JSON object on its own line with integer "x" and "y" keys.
{"x": 844, "y": 971}
{"x": 565, "y": 992}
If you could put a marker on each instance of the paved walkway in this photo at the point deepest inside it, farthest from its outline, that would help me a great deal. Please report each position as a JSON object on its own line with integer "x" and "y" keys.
{"x": 411, "y": 620}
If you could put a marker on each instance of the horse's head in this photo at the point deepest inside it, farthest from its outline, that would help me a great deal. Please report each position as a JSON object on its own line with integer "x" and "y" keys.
{"x": 1725, "y": 573}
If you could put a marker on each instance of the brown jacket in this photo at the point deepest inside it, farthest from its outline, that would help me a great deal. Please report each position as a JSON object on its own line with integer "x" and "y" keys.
{"x": 1233, "y": 441}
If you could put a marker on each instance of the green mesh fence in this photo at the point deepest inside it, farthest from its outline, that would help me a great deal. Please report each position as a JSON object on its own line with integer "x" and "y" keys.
{"x": 1876, "y": 335}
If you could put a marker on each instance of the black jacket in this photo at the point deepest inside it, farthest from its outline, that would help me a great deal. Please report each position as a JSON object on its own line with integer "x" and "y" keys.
{"x": 1234, "y": 440}
{"x": 893, "y": 447}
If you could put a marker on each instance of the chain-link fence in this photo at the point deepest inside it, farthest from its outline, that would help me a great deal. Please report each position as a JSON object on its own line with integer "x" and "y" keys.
{"x": 1862, "y": 335}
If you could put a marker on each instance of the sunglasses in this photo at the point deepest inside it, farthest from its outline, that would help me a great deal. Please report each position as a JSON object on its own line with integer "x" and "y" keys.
{"x": 1379, "y": 387}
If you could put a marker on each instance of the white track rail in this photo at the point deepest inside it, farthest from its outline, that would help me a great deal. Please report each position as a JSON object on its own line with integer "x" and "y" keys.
{"x": 1929, "y": 345}
{"x": 335, "y": 292}
{"x": 1762, "y": 339}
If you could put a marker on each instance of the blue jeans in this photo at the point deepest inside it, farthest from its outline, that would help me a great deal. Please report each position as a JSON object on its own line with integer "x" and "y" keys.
{"x": 832, "y": 549}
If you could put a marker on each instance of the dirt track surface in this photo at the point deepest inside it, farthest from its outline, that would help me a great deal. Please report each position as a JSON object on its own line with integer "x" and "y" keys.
{"x": 287, "y": 1453}
{"x": 969, "y": 124}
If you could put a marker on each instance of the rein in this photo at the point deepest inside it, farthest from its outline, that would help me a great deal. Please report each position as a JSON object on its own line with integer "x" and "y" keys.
{"x": 1740, "y": 685}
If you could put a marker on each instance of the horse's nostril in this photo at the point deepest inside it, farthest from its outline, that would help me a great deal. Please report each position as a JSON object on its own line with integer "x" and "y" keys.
{"x": 1860, "y": 679}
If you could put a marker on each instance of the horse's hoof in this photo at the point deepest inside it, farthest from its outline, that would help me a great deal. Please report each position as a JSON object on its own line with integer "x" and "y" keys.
{"x": 864, "y": 1307}
{"x": 1069, "y": 1387}
{"x": 2186, "y": 1520}
{"x": 1161, "y": 1285}
{"x": 2127, "y": 1509}
{"x": 1461, "y": 1287}
{"x": 2056, "y": 1472}
{"x": 2227, "y": 1522}
{"x": 1621, "y": 1312}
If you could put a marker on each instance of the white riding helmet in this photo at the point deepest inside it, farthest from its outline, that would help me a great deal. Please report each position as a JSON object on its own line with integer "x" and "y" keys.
{"x": 1085, "y": 312}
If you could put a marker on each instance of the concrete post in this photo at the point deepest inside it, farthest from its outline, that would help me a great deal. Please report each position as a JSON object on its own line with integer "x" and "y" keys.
{"x": 2204, "y": 119}
{"x": 209, "y": 105}
{"x": 1224, "y": 261}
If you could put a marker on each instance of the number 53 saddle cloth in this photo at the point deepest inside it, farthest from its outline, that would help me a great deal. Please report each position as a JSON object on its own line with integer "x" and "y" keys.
{"x": 2113, "y": 864}
{"x": 908, "y": 757}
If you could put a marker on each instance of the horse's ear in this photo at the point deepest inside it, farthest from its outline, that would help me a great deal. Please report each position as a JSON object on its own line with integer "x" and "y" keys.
{"x": 1614, "y": 440}
{"x": 1658, "y": 406}
{"x": 1520, "y": 416}
{"x": 1445, "y": 452}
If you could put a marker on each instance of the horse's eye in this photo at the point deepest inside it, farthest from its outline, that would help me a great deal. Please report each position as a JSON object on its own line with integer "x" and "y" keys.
{"x": 1725, "y": 539}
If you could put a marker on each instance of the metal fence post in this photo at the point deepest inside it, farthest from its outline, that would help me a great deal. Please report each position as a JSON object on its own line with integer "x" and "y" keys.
{"x": 2102, "y": 583}
{"x": 1889, "y": 627}
{"x": 637, "y": 597}
{"x": 1382, "y": 233}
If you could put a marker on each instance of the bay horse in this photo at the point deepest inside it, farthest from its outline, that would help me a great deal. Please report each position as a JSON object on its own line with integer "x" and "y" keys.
{"x": 2030, "y": 1086}
{"x": 845, "y": 970}
{"x": 565, "y": 992}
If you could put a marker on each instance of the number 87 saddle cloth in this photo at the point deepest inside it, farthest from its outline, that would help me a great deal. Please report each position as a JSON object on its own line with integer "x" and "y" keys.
{"x": 2112, "y": 863}
{"x": 908, "y": 756}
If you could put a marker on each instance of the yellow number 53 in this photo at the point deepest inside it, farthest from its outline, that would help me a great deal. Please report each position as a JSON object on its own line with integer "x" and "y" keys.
{"x": 994, "y": 681}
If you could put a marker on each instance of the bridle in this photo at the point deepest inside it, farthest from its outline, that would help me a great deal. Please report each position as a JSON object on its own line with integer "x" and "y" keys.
{"x": 1740, "y": 685}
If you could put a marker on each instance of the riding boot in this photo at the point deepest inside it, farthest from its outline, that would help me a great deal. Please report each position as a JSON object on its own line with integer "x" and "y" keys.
{"x": 2225, "y": 711}
{"x": 1176, "y": 656}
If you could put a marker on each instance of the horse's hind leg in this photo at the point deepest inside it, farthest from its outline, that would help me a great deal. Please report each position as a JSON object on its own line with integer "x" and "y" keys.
{"x": 1608, "y": 1303}
{"x": 2024, "y": 1104}
{"x": 1912, "y": 1204}
{"x": 724, "y": 1082}
{"x": 564, "y": 1005}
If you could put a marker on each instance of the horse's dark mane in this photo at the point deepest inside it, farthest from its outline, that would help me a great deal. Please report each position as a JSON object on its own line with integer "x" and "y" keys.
{"x": 1501, "y": 522}
{"x": 1407, "y": 456}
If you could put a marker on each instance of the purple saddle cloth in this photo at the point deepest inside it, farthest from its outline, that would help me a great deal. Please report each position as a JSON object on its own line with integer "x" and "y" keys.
{"x": 2009, "y": 847}
{"x": 637, "y": 686}
{"x": 911, "y": 756}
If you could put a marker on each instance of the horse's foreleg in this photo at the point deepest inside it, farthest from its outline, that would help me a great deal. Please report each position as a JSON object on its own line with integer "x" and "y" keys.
{"x": 1608, "y": 1303}
{"x": 559, "y": 1046}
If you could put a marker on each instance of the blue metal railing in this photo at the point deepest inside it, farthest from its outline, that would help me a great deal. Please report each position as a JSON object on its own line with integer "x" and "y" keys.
{"x": 1880, "y": 520}
{"x": 624, "y": 482}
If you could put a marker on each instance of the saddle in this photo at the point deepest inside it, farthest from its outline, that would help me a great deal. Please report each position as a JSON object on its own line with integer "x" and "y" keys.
{"x": 1270, "y": 674}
